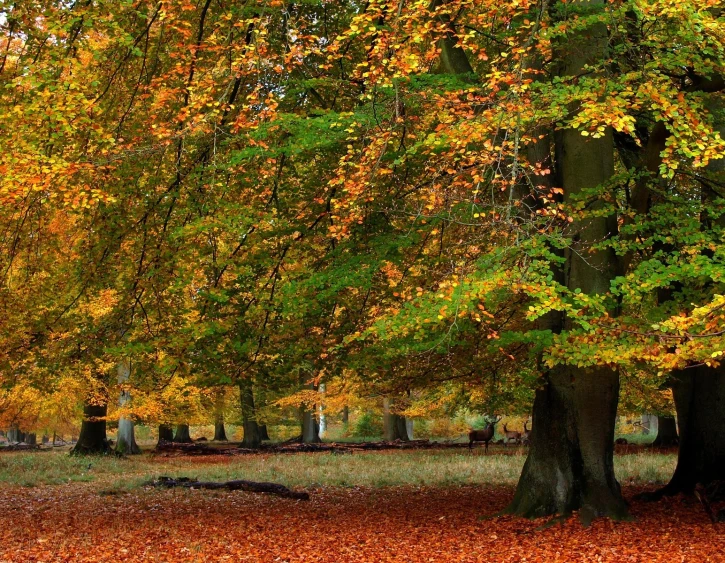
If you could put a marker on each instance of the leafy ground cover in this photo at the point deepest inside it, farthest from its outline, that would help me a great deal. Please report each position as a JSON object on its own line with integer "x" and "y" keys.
{"x": 401, "y": 506}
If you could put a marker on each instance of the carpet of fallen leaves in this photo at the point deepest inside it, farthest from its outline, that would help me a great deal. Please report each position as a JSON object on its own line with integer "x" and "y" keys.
{"x": 77, "y": 522}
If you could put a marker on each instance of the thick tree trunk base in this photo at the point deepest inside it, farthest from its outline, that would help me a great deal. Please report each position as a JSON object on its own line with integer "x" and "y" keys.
{"x": 700, "y": 401}
{"x": 92, "y": 439}
{"x": 166, "y": 433}
{"x": 126, "y": 439}
{"x": 252, "y": 439}
{"x": 310, "y": 428}
{"x": 666, "y": 432}
{"x": 220, "y": 434}
{"x": 570, "y": 463}
{"x": 182, "y": 435}
{"x": 248, "y": 486}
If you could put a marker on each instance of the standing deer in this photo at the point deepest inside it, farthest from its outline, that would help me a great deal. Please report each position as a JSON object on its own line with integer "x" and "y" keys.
{"x": 511, "y": 435}
{"x": 484, "y": 435}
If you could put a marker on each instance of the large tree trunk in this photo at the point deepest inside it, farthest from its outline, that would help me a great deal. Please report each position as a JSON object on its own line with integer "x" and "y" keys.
{"x": 220, "y": 434}
{"x": 310, "y": 427}
{"x": 394, "y": 425}
{"x": 14, "y": 434}
{"x": 92, "y": 439}
{"x": 182, "y": 435}
{"x": 166, "y": 433}
{"x": 700, "y": 401}
{"x": 666, "y": 432}
{"x": 263, "y": 433}
{"x": 570, "y": 463}
{"x": 31, "y": 439}
{"x": 252, "y": 438}
{"x": 125, "y": 439}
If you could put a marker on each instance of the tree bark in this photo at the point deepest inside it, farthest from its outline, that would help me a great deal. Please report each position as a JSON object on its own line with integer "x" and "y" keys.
{"x": 345, "y": 414}
{"x": 182, "y": 435}
{"x": 666, "y": 432}
{"x": 700, "y": 402}
{"x": 92, "y": 439}
{"x": 394, "y": 425}
{"x": 453, "y": 59}
{"x": 310, "y": 425}
{"x": 126, "y": 439}
{"x": 220, "y": 434}
{"x": 570, "y": 462}
{"x": 263, "y": 433}
{"x": 310, "y": 428}
{"x": 14, "y": 435}
{"x": 166, "y": 433}
{"x": 321, "y": 413}
{"x": 31, "y": 439}
{"x": 252, "y": 438}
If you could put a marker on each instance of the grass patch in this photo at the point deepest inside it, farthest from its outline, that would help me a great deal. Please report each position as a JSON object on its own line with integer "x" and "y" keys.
{"x": 367, "y": 469}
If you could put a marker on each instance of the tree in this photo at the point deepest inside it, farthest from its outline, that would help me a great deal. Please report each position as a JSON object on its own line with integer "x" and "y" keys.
{"x": 125, "y": 440}
{"x": 666, "y": 432}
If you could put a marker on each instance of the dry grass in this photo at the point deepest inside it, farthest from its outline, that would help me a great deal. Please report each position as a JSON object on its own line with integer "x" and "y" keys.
{"x": 374, "y": 469}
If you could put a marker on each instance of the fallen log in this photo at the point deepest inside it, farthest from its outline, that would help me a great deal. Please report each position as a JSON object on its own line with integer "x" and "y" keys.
{"x": 172, "y": 448}
{"x": 237, "y": 485}
{"x": 20, "y": 447}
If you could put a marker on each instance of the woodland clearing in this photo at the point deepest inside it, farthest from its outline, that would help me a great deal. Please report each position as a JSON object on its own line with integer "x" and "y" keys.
{"x": 402, "y": 506}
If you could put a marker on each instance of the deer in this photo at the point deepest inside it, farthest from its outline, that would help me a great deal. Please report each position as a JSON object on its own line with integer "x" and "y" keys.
{"x": 484, "y": 435}
{"x": 511, "y": 435}
{"x": 526, "y": 436}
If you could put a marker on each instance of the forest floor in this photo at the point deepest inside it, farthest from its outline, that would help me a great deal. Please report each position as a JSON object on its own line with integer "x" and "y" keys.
{"x": 416, "y": 513}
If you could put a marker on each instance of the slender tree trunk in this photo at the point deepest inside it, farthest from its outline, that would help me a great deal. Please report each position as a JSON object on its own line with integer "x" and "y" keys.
{"x": 252, "y": 438}
{"x": 166, "y": 433}
{"x": 570, "y": 462}
{"x": 92, "y": 439}
{"x": 182, "y": 435}
{"x": 310, "y": 425}
{"x": 220, "y": 434}
{"x": 321, "y": 413}
{"x": 666, "y": 432}
{"x": 345, "y": 415}
{"x": 126, "y": 439}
